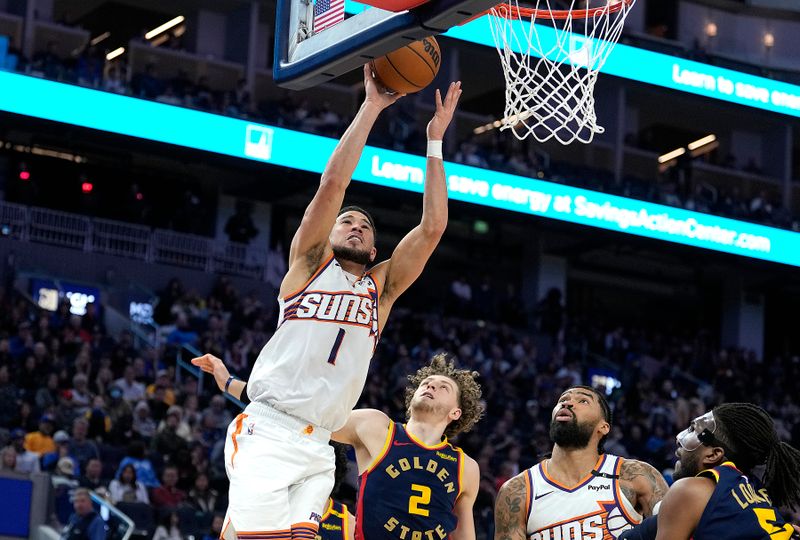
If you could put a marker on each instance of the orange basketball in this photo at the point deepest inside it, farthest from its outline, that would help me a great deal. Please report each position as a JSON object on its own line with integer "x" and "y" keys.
{"x": 409, "y": 69}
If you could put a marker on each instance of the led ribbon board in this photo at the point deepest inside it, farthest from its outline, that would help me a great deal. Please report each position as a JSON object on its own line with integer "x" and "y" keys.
{"x": 159, "y": 122}
{"x": 659, "y": 69}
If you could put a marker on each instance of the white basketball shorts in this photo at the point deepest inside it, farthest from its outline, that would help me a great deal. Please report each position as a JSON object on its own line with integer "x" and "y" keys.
{"x": 281, "y": 474}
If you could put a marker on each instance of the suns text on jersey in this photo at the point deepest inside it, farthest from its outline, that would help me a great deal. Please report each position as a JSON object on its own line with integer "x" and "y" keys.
{"x": 333, "y": 307}
{"x": 583, "y": 528}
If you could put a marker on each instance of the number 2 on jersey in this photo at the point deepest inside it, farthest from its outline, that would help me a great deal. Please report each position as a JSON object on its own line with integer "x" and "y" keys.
{"x": 424, "y": 497}
{"x": 337, "y": 344}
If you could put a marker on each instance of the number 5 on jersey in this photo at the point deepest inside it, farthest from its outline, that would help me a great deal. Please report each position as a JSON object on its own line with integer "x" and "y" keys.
{"x": 337, "y": 344}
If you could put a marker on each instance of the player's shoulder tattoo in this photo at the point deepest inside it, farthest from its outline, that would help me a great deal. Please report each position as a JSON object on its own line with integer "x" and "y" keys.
{"x": 509, "y": 511}
{"x": 635, "y": 473}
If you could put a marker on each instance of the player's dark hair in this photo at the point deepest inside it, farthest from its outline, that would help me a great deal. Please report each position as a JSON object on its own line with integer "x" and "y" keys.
{"x": 353, "y": 208}
{"x": 747, "y": 434}
{"x": 604, "y": 407}
{"x": 469, "y": 392}
{"x": 340, "y": 453}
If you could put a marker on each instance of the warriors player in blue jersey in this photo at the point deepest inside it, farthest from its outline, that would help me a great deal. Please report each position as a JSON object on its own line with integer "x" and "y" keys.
{"x": 580, "y": 491}
{"x": 310, "y": 374}
{"x": 414, "y": 484}
{"x": 717, "y": 494}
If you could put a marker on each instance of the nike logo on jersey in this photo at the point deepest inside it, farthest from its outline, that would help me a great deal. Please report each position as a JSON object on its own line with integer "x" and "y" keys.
{"x": 537, "y": 497}
{"x": 397, "y": 443}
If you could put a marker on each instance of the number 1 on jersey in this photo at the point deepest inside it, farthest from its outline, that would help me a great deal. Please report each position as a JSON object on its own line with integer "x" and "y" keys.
{"x": 336, "y": 345}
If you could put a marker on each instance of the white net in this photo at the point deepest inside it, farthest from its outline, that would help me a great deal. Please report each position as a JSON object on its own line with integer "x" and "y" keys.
{"x": 551, "y": 67}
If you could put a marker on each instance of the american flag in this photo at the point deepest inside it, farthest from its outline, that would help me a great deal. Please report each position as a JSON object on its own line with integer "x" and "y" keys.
{"x": 327, "y": 13}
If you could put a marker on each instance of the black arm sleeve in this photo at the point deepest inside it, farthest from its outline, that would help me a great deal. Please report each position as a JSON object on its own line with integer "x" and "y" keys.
{"x": 646, "y": 530}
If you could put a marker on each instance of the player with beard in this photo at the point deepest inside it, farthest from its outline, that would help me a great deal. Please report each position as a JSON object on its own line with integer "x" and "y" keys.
{"x": 579, "y": 492}
{"x": 717, "y": 494}
{"x": 309, "y": 375}
{"x": 414, "y": 484}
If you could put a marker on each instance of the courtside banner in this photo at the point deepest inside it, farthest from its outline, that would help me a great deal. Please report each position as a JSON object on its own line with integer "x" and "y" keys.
{"x": 23, "y": 95}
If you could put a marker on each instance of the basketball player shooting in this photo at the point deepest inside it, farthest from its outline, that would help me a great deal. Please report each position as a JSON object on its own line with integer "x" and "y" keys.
{"x": 579, "y": 492}
{"x": 309, "y": 375}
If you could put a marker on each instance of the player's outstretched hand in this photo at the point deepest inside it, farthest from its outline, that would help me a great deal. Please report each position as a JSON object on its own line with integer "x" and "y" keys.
{"x": 376, "y": 93}
{"x": 444, "y": 111}
{"x": 211, "y": 364}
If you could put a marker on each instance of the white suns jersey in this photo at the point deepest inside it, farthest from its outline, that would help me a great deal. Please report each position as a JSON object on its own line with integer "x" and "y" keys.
{"x": 315, "y": 365}
{"x": 595, "y": 509}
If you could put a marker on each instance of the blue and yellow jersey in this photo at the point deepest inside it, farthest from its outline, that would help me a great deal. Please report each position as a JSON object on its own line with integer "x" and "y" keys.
{"x": 411, "y": 489}
{"x": 335, "y": 522}
{"x": 739, "y": 509}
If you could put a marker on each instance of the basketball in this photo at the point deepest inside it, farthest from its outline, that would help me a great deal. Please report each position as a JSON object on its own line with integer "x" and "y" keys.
{"x": 409, "y": 69}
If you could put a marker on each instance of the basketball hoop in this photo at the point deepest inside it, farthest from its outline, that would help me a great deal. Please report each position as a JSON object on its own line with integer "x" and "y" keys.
{"x": 551, "y": 68}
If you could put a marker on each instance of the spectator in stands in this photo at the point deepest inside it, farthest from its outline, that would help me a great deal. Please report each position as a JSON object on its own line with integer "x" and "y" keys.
{"x": 462, "y": 295}
{"x": 9, "y": 397}
{"x": 240, "y": 227}
{"x": 215, "y": 531}
{"x": 92, "y": 475}
{"x": 41, "y": 442}
{"x": 80, "y": 395}
{"x": 132, "y": 390}
{"x": 114, "y": 81}
{"x": 90, "y": 67}
{"x": 145, "y": 472}
{"x": 163, "y": 380}
{"x": 50, "y": 459}
{"x": 27, "y": 461}
{"x": 183, "y": 333}
{"x": 64, "y": 483}
{"x": 202, "y": 497}
{"x": 219, "y": 416}
{"x": 168, "y": 528}
{"x": 85, "y": 523}
{"x": 127, "y": 488}
{"x": 168, "y": 496}
{"x": 167, "y": 442}
{"x": 80, "y": 448}
{"x": 143, "y": 423}
{"x": 8, "y": 459}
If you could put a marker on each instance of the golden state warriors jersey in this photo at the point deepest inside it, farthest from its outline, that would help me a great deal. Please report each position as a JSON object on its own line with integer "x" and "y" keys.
{"x": 594, "y": 509}
{"x": 739, "y": 509}
{"x": 335, "y": 522}
{"x": 412, "y": 489}
{"x": 315, "y": 365}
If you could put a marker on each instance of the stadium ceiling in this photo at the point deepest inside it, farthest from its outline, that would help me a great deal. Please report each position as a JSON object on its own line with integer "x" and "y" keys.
{"x": 72, "y": 10}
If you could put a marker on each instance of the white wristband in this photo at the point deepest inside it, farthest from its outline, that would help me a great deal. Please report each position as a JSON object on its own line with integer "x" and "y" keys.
{"x": 435, "y": 149}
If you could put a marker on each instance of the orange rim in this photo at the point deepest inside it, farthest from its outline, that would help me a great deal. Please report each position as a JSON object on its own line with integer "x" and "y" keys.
{"x": 508, "y": 11}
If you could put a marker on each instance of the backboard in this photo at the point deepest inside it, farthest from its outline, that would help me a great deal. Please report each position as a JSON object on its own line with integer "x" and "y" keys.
{"x": 305, "y": 58}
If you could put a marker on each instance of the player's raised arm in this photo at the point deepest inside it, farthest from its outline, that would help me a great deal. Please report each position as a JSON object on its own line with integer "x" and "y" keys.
{"x": 463, "y": 509}
{"x": 310, "y": 242}
{"x": 510, "y": 510}
{"x": 414, "y": 250}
